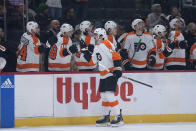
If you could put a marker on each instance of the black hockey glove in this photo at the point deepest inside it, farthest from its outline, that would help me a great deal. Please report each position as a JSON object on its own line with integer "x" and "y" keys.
{"x": 73, "y": 49}
{"x": 82, "y": 44}
{"x": 151, "y": 61}
{"x": 87, "y": 55}
{"x": 91, "y": 47}
{"x": 167, "y": 51}
{"x": 183, "y": 44}
{"x": 124, "y": 54}
{"x": 173, "y": 45}
{"x": 125, "y": 61}
{"x": 65, "y": 52}
{"x": 117, "y": 74}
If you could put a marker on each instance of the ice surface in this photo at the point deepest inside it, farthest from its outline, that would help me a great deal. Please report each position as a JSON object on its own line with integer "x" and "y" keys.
{"x": 126, "y": 127}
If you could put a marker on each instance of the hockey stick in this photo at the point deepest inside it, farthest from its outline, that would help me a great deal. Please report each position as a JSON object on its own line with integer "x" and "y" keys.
{"x": 127, "y": 77}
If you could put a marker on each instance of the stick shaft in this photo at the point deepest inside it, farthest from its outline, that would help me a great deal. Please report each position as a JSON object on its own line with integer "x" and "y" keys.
{"x": 137, "y": 81}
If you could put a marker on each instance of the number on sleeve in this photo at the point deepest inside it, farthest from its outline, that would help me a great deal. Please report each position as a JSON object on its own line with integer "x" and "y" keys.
{"x": 23, "y": 53}
{"x": 53, "y": 52}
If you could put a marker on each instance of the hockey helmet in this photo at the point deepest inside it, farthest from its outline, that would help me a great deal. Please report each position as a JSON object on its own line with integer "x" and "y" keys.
{"x": 101, "y": 32}
{"x": 135, "y": 22}
{"x": 66, "y": 28}
{"x": 110, "y": 25}
{"x": 84, "y": 25}
{"x": 159, "y": 28}
{"x": 31, "y": 25}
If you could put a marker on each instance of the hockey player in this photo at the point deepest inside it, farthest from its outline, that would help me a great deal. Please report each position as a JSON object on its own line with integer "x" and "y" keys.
{"x": 111, "y": 29}
{"x": 86, "y": 41}
{"x": 29, "y": 49}
{"x": 3, "y": 51}
{"x": 60, "y": 53}
{"x": 193, "y": 55}
{"x": 177, "y": 61}
{"x": 140, "y": 47}
{"x": 109, "y": 62}
{"x": 162, "y": 51}
{"x": 2, "y": 57}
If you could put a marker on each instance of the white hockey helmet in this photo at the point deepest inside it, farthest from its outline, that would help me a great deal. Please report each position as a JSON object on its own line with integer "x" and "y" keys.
{"x": 174, "y": 21}
{"x": 110, "y": 25}
{"x": 135, "y": 22}
{"x": 159, "y": 28}
{"x": 66, "y": 28}
{"x": 84, "y": 25}
{"x": 31, "y": 25}
{"x": 2, "y": 63}
{"x": 101, "y": 32}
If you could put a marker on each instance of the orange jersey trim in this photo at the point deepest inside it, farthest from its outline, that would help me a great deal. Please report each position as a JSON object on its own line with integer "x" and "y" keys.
{"x": 176, "y": 60}
{"x": 192, "y": 48}
{"x": 177, "y": 33}
{"x": 36, "y": 50}
{"x": 116, "y": 56}
{"x": 110, "y": 38}
{"x": 105, "y": 72}
{"x": 58, "y": 65}
{"x": 136, "y": 62}
{"x": 26, "y": 66}
{"x": 85, "y": 63}
{"x": 158, "y": 65}
{"x": 111, "y": 104}
{"x": 35, "y": 39}
{"x": 88, "y": 40}
{"x": 65, "y": 41}
{"x": 130, "y": 33}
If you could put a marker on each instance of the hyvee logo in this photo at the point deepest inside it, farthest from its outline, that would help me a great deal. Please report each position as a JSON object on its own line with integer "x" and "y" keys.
{"x": 94, "y": 95}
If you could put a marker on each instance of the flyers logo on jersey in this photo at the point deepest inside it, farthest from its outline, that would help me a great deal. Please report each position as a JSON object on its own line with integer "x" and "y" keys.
{"x": 139, "y": 46}
{"x": 99, "y": 57}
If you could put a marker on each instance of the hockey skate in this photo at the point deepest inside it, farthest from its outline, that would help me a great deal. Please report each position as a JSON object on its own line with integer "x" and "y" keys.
{"x": 103, "y": 121}
{"x": 118, "y": 121}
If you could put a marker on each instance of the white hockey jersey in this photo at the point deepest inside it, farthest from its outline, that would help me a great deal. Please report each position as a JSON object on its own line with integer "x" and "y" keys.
{"x": 139, "y": 48}
{"x": 160, "y": 58}
{"x": 28, "y": 54}
{"x": 178, "y": 55}
{"x": 80, "y": 61}
{"x": 104, "y": 54}
{"x": 56, "y": 61}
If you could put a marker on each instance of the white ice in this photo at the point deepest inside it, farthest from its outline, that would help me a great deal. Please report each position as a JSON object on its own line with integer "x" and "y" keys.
{"x": 126, "y": 127}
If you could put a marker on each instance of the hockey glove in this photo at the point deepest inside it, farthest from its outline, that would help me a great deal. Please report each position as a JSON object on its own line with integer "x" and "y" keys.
{"x": 117, "y": 74}
{"x": 87, "y": 55}
{"x": 73, "y": 49}
{"x": 65, "y": 52}
{"x": 183, "y": 44}
{"x": 151, "y": 60}
{"x": 82, "y": 44}
{"x": 124, "y": 54}
{"x": 173, "y": 45}
{"x": 125, "y": 61}
{"x": 91, "y": 47}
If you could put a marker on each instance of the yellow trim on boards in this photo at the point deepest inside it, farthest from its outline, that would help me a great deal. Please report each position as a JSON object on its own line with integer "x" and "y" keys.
{"x": 59, "y": 121}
